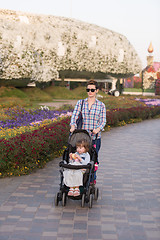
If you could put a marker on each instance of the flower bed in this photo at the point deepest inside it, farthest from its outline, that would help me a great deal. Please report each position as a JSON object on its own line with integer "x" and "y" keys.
{"x": 31, "y": 150}
{"x": 116, "y": 116}
{"x": 16, "y": 121}
{"x": 25, "y": 148}
{"x": 17, "y": 117}
{"x": 149, "y": 102}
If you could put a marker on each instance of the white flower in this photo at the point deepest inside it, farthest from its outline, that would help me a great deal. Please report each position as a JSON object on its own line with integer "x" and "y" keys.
{"x": 44, "y": 107}
{"x": 61, "y": 44}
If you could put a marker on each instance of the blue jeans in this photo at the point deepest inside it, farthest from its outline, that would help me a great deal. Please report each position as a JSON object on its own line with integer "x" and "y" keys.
{"x": 96, "y": 142}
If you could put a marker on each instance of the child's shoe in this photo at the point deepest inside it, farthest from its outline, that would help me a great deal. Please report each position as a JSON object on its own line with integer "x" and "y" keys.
{"x": 76, "y": 192}
{"x": 71, "y": 192}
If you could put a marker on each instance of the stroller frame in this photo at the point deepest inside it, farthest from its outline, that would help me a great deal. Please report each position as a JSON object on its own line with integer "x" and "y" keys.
{"x": 88, "y": 191}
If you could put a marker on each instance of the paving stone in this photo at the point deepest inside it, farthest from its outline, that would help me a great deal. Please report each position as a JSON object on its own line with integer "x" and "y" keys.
{"x": 128, "y": 207}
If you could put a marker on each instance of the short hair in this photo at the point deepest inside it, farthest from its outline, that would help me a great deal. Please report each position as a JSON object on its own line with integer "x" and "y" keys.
{"x": 83, "y": 143}
{"x": 93, "y": 82}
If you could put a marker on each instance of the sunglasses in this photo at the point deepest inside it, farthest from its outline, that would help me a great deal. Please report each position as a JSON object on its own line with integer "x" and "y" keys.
{"x": 92, "y": 89}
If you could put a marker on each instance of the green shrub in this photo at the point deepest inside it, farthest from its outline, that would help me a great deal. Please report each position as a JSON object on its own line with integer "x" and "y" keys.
{"x": 132, "y": 89}
{"x": 12, "y": 92}
{"x": 14, "y": 82}
{"x": 115, "y": 116}
{"x": 59, "y": 92}
{"x": 36, "y": 94}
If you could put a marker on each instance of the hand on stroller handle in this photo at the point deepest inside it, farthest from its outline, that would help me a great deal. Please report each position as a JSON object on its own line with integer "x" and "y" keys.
{"x": 95, "y": 131}
{"x": 92, "y": 132}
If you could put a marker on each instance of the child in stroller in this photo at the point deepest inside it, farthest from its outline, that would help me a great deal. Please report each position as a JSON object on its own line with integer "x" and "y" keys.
{"x": 86, "y": 191}
{"x": 74, "y": 178}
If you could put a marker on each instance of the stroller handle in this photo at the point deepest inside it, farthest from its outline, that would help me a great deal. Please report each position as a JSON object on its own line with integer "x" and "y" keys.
{"x": 89, "y": 132}
{"x": 76, "y": 167}
{"x": 95, "y": 134}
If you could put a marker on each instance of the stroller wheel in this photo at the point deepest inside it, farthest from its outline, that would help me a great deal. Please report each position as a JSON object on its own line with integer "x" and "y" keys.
{"x": 89, "y": 191}
{"x": 56, "y": 199}
{"x": 96, "y": 193}
{"x": 64, "y": 199}
{"x": 83, "y": 200}
{"x": 90, "y": 200}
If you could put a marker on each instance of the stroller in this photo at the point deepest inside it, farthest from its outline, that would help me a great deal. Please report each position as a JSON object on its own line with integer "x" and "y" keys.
{"x": 88, "y": 191}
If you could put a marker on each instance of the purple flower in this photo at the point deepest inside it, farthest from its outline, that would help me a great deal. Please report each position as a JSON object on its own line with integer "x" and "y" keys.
{"x": 21, "y": 117}
{"x": 149, "y": 102}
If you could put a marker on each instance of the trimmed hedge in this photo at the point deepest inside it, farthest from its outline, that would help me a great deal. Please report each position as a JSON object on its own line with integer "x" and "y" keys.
{"x": 115, "y": 116}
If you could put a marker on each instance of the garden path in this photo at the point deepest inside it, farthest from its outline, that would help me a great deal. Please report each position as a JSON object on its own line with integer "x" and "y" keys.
{"x": 57, "y": 103}
{"x": 128, "y": 207}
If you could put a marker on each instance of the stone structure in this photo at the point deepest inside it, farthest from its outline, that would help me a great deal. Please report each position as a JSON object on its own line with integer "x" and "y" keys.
{"x": 150, "y": 73}
{"x": 45, "y": 47}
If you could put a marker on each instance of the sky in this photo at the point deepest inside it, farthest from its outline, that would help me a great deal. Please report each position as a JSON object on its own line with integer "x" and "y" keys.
{"x": 137, "y": 20}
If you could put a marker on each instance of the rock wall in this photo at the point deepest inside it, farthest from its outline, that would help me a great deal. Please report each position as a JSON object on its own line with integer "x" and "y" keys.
{"x": 39, "y": 46}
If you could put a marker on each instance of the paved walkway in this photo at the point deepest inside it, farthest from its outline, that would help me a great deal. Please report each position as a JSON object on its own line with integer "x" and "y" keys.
{"x": 128, "y": 207}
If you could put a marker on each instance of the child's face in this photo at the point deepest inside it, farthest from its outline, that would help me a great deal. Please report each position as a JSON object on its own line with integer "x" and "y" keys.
{"x": 81, "y": 149}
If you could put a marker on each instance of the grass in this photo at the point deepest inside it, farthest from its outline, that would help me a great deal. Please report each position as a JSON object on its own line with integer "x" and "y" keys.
{"x": 138, "y": 90}
{"x": 149, "y": 90}
{"x": 132, "y": 89}
{"x": 64, "y": 93}
{"x": 112, "y": 102}
{"x": 36, "y": 94}
{"x": 24, "y": 97}
{"x": 57, "y": 92}
{"x": 32, "y": 97}
{"x": 12, "y": 92}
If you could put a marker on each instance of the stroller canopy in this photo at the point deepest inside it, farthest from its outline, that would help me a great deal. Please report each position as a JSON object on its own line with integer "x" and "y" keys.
{"x": 79, "y": 134}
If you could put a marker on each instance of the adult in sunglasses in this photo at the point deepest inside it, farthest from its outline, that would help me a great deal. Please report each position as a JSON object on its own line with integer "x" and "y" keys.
{"x": 93, "y": 112}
